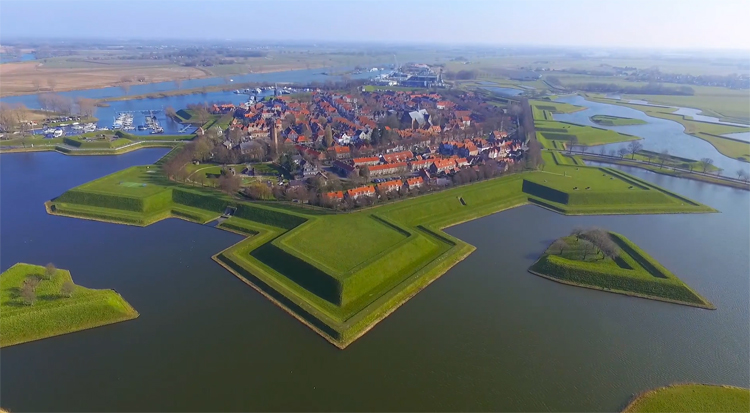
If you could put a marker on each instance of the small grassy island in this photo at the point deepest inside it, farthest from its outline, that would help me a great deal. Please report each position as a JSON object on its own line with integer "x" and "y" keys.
{"x": 608, "y": 120}
{"x": 40, "y": 302}
{"x": 608, "y": 261}
{"x": 691, "y": 398}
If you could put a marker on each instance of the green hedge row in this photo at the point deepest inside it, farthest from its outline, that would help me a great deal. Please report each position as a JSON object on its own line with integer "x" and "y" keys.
{"x": 614, "y": 279}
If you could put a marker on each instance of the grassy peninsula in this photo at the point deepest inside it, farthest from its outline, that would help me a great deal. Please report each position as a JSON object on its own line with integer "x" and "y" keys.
{"x": 39, "y": 302}
{"x": 340, "y": 274}
{"x": 609, "y": 120}
{"x": 553, "y": 134}
{"x": 610, "y": 262}
{"x": 691, "y": 398}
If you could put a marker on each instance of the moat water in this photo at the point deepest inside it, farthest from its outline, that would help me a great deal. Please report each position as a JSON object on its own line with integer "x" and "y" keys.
{"x": 487, "y": 335}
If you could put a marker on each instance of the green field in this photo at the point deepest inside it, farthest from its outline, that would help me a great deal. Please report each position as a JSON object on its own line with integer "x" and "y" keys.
{"x": 53, "y": 313}
{"x": 691, "y": 398}
{"x": 729, "y": 105}
{"x": 562, "y": 132}
{"x": 608, "y": 120}
{"x": 710, "y": 132}
{"x": 341, "y": 273}
{"x": 632, "y": 272}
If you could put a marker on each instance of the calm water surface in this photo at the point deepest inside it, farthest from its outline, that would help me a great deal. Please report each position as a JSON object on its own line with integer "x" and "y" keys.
{"x": 486, "y": 336}
{"x": 658, "y": 134}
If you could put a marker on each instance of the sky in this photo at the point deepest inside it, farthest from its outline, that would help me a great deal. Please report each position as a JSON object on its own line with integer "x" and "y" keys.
{"x": 653, "y": 24}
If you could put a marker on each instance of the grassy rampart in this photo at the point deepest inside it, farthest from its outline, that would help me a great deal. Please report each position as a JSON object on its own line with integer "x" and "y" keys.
{"x": 633, "y": 272}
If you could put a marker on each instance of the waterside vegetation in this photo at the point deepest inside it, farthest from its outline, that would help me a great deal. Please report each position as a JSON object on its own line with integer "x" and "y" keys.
{"x": 691, "y": 397}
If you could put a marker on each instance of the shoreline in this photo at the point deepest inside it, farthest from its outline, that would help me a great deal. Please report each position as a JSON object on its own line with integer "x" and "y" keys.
{"x": 118, "y": 85}
{"x": 635, "y": 399}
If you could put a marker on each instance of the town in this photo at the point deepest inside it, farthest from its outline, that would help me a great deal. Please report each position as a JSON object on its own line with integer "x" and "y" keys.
{"x": 353, "y": 148}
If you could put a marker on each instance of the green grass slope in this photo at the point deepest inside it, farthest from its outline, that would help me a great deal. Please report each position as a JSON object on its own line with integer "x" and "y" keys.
{"x": 633, "y": 272}
{"x": 691, "y": 398}
{"x": 53, "y": 314}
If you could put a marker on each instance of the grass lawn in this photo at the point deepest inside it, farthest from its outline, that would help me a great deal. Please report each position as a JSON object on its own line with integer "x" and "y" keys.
{"x": 53, "y": 313}
{"x": 555, "y": 107}
{"x": 341, "y": 273}
{"x": 608, "y": 120}
{"x": 710, "y": 132}
{"x": 322, "y": 239}
{"x": 691, "y": 398}
{"x": 632, "y": 272}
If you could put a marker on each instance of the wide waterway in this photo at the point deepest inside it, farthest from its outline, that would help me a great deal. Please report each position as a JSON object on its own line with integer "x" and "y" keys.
{"x": 658, "y": 134}
{"x": 140, "y": 107}
{"x": 488, "y": 335}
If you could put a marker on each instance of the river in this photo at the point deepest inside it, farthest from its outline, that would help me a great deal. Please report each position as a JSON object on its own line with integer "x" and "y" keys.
{"x": 141, "y": 107}
{"x": 486, "y": 336}
{"x": 658, "y": 134}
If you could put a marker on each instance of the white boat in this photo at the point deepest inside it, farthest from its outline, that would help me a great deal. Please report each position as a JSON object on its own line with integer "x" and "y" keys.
{"x": 58, "y": 133}
{"x": 102, "y": 128}
{"x": 49, "y": 131}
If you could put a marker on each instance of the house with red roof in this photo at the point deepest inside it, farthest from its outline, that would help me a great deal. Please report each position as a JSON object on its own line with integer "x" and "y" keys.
{"x": 442, "y": 165}
{"x": 360, "y": 191}
{"x": 414, "y": 182}
{"x": 387, "y": 169}
{"x": 339, "y": 152}
{"x": 398, "y": 156}
{"x": 390, "y": 186}
{"x": 371, "y": 160}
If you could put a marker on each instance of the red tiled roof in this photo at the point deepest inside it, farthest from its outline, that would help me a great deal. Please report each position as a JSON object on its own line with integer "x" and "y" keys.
{"x": 415, "y": 181}
{"x": 362, "y": 190}
{"x": 335, "y": 195}
{"x": 387, "y": 166}
{"x": 389, "y": 185}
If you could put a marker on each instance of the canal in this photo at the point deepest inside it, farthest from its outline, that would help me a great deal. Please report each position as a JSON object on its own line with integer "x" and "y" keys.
{"x": 486, "y": 336}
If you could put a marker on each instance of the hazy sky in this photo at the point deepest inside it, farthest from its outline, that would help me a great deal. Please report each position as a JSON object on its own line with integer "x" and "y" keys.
{"x": 629, "y": 23}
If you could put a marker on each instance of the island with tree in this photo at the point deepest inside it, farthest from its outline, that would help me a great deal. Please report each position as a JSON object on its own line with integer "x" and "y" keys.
{"x": 602, "y": 260}
{"x": 38, "y": 302}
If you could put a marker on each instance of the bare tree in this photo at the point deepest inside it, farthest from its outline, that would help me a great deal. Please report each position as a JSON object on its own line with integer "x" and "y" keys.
{"x": 706, "y": 162}
{"x": 51, "y": 82}
{"x": 577, "y": 231}
{"x": 86, "y": 107}
{"x": 170, "y": 112}
{"x": 663, "y": 157}
{"x": 178, "y": 83}
{"x": 49, "y": 271}
{"x": 622, "y": 152}
{"x": 230, "y": 183}
{"x": 28, "y": 295}
{"x": 559, "y": 244}
{"x": 67, "y": 288}
{"x": 633, "y": 147}
{"x": 573, "y": 141}
{"x": 36, "y": 83}
{"x": 742, "y": 174}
